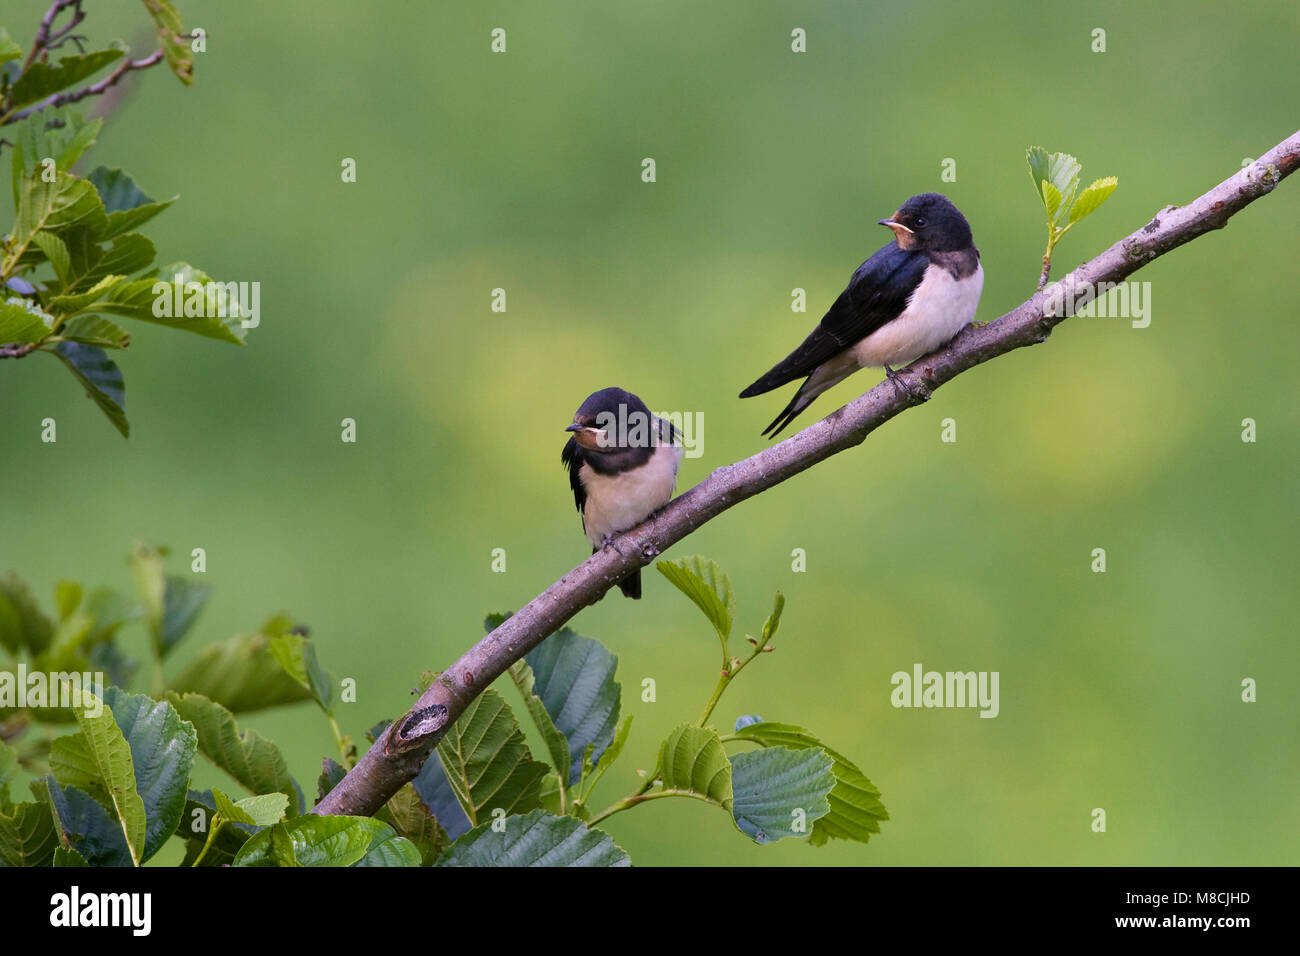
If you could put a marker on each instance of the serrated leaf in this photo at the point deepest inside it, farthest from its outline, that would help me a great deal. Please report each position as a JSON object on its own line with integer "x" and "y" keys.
{"x": 95, "y": 330}
{"x": 200, "y": 813}
{"x": 778, "y": 792}
{"x": 240, "y": 674}
{"x": 436, "y": 793}
{"x": 406, "y": 813}
{"x": 182, "y": 602}
{"x": 56, "y": 252}
{"x": 251, "y": 759}
{"x": 556, "y": 743}
{"x": 86, "y": 825}
{"x": 297, "y": 655}
{"x": 573, "y": 676}
{"x": 487, "y": 761}
{"x": 313, "y": 840}
{"x": 64, "y": 857}
{"x": 28, "y": 836}
{"x": 855, "y": 808}
{"x": 611, "y": 754}
{"x": 162, "y": 750}
{"x": 693, "y": 763}
{"x": 117, "y": 190}
{"x": 172, "y": 39}
{"x": 100, "y": 377}
{"x": 1092, "y": 197}
{"x": 18, "y": 324}
{"x": 227, "y": 810}
{"x": 389, "y": 849}
{"x": 98, "y": 758}
{"x": 707, "y": 586}
{"x": 262, "y": 810}
{"x": 536, "y": 839}
{"x": 42, "y": 79}
{"x": 1051, "y": 199}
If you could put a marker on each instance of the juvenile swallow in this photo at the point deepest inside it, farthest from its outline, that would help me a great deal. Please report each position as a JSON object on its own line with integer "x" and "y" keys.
{"x": 908, "y": 299}
{"x": 622, "y": 463}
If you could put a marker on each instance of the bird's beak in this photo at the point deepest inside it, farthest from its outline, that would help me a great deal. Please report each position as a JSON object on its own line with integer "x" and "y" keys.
{"x": 902, "y": 234}
{"x": 896, "y": 226}
{"x": 588, "y": 437}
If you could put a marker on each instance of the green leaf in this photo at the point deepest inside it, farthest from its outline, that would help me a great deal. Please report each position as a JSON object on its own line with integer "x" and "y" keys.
{"x": 200, "y": 815}
{"x": 606, "y": 760}
{"x": 227, "y": 810}
{"x": 406, "y": 813}
{"x": 171, "y": 37}
{"x": 331, "y": 775}
{"x": 182, "y": 602}
{"x": 95, "y": 330}
{"x": 535, "y": 839}
{"x": 389, "y": 849}
{"x": 60, "y": 134}
{"x": 162, "y": 754}
{"x": 20, "y": 324}
{"x": 241, "y": 674}
{"x": 704, "y": 582}
{"x": 778, "y": 792}
{"x": 65, "y": 857}
{"x": 9, "y": 50}
{"x": 487, "y": 761}
{"x": 100, "y": 377}
{"x": 263, "y": 810}
{"x": 248, "y": 757}
{"x": 774, "y": 619}
{"x": 86, "y": 825}
{"x": 57, "y": 252}
{"x": 312, "y": 840}
{"x": 126, "y": 254}
{"x": 693, "y": 763}
{"x": 1092, "y": 197}
{"x": 202, "y": 305}
{"x": 28, "y": 836}
{"x": 8, "y": 769}
{"x": 297, "y": 655}
{"x": 1036, "y": 156}
{"x": 41, "y": 79}
{"x": 22, "y": 624}
{"x": 66, "y": 202}
{"x": 437, "y": 793}
{"x": 98, "y": 760}
{"x": 1052, "y": 200}
{"x": 573, "y": 676}
{"x": 127, "y": 206}
{"x": 855, "y": 808}
{"x": 556, "y": 743}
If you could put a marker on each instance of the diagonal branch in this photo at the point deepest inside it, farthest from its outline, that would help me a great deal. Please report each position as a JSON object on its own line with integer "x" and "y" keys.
{"x": 94, "y": 89}
{"x": 397, "y": 755}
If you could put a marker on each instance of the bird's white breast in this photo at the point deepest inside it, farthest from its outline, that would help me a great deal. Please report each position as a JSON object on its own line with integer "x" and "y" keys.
{"x": 617, "y": 503}
{"x": 938, "y": 309}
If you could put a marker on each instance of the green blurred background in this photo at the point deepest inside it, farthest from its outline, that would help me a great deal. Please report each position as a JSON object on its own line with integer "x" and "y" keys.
{"x": 522, "y": 171}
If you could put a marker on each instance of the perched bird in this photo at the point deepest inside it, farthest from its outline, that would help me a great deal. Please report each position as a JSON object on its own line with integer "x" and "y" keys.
{"x": 912, "y": 296}
{"x": 622, "y": 463}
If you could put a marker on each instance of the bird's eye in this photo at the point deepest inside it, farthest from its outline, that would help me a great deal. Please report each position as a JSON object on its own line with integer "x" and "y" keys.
{"x": 920, "y": 222}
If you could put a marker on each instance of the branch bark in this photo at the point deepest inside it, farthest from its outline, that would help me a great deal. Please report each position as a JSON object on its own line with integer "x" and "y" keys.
{"x": 398, "y": 754}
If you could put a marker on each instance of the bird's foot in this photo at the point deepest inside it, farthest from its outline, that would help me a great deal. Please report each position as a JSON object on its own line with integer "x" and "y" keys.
{"x": 904, "y": 387}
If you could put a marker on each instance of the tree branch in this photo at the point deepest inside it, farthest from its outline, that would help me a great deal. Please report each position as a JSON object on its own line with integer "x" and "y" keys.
{"x": 398, "y": 754}
{"x": 94, "y": 89}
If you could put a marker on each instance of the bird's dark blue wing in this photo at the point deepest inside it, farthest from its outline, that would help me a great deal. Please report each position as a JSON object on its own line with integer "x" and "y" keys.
{"x": 571, "y": 458}
{"x": 876, "y": 294}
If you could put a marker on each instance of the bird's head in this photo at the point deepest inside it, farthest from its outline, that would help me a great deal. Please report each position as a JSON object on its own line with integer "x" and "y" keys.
{"x": 929, "y": 222}
{"x": 610, "y": 421}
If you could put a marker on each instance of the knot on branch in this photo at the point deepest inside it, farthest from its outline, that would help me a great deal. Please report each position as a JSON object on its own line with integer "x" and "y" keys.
{"x": 413, "y": 729}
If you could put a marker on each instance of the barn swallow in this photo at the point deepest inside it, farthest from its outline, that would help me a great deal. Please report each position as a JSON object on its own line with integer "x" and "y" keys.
{"x": 622, "y": 463}
{"x": 908, "y": 299}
